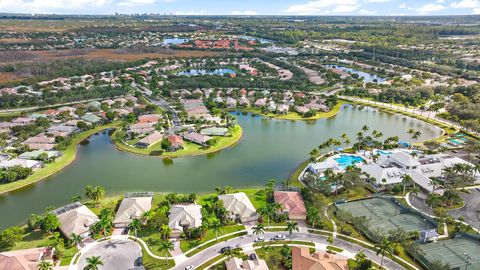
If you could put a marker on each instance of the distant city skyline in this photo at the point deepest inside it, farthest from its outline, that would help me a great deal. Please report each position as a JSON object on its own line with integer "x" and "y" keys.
{"x": 246, "y": 7}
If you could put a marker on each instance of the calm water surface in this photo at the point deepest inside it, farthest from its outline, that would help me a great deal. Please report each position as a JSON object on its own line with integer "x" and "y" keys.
{"x": 269, "y": 149}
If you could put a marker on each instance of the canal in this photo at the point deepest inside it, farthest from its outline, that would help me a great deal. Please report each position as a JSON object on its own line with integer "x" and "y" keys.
{"x": 269, "y": 149}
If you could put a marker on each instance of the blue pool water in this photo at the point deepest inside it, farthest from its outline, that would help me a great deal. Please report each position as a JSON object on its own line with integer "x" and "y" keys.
{"x": 199, "y": 72}
{"x": 384, "y": 153}
{"x": 346, "y": 160}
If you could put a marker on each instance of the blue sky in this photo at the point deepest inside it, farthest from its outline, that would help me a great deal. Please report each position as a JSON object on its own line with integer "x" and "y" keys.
{"x": 246, "y": 7}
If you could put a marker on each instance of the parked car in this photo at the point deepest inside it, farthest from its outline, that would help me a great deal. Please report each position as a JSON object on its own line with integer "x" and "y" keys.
{"x": 259, "y": 239}
{"x": 279, "y": 237}
{"x": 225, "y": 249}
{"x": 138, "y": 261}
{"x": 252, "y": 257}
{"x": 190, "y": 267}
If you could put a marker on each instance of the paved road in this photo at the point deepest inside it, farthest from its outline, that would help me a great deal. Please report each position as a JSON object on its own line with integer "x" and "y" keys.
{"x": 116, "y": 254}
{"x": 246, "y": 240}
{"x": 162, "y": 103}
{"x": 471, "y": 211}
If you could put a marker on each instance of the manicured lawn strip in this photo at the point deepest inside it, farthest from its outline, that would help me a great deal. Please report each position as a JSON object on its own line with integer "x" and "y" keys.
{"x": 213, "y": 243}
{"x": 256, "y": 195}
{"x": 285, "y": 242}
{"x": 272, "y": 258}
{"x": 335, "y": 249}
{"x": 189, "y": 149}
{"x": 209, "y": 262}
{"x": 153, "y": 240}
{"x": 294, "y": 176}
{"x": 68, "y": 157}
{"x": 152, "y": 263}
{"x": 188, "y": 244}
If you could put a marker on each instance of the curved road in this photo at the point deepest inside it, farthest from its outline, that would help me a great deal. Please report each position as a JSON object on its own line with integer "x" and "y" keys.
{"x": 247, "y": 240}
{"x": 116, "y": 254}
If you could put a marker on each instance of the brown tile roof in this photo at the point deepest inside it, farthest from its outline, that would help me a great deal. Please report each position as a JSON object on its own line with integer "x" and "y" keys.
{"x": 290, "y": 201}
{"x": 303, "y": 260}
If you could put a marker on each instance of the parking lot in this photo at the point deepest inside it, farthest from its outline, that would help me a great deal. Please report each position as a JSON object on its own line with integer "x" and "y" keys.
{"x": 471, "y": 211}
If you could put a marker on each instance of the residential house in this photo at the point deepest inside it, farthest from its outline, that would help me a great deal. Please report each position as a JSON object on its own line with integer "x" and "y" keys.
{"x": 176, "y": 142}
{"x": 25, "y": 259}
{"x": 303, "y": 260}
{"x": 24, "y": 163}
{"x": 94, "y": 105}
{"x": 91, "y": 118}
{"x": 291, "y": 203}
{"x": 75, "y": 218}
{"x": 36, "y": 154}
{"x": 133, "y": 206}
{"x": 214, "y": 131}
{"x": 184, "y": 216}
{"x": 231, "y": 102}
{"x": 239, "y": 206}
{"x": 282, "y": 108}
{"x": 301, "y": 109}
{"x": 260, "y": 102}
{"x": 141, "y": 128}
{"x": 197, "y": 138}
{"x": 235, "y": 263}
{"x": 150, "y": 140}
{"x": 149, "y": 118}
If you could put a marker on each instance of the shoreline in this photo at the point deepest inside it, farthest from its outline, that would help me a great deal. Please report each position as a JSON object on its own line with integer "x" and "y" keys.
{"x": 235, "y": 138}
{"x": 68, "y": 157}
{"x": 292, "y": 116}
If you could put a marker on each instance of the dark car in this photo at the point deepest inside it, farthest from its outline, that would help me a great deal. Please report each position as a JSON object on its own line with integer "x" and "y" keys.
{"x": 138, "y": 261}
{"x": 252, "y": 256}
{"x": 225, "y": 249}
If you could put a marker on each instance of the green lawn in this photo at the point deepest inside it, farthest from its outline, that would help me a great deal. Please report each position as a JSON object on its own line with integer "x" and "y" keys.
{"x": 151, "y": 263}
{"x": 189, "y": 149}
{"x": 188, "y": 244}
{"x": 68, "y": 157}
{"x": 153, "y": 240}
{"x": 273, "y": 257}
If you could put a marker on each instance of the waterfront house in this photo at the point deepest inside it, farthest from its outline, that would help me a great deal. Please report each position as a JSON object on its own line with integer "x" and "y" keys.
{"x": 260, "y": 102}
{"x": 235, "y": 263}
{"x": 176, "y": 142}
{"x": 94, "y": 105}
{"x": 75, "y": 218}
{"x": 197, "y": 138}
{"x": 25, "y": 259}
{"x": 91, "y": 118}
{"x": 39, "y": 139}
{"x": 184, "y": 216}
{"x": 141, "y": 128}
{"x": 291, "y": 203}
{"x": 214, "y": 131}
{"x": 301, "y": 110}
{"x": 24, "y": 163}
{"x": 282, "y": 108}
{"x": 302, "y": 259}
{"x": 133, "y": 206}
{"x": 36, "y": 154}
{"x": 239, "y": 206}
{"x": 41, "y": 146}
{"x": 150, "y": 140}
{"x": 231, "y": 102}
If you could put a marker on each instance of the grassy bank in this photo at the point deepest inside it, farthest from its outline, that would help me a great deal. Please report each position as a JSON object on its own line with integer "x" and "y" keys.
{"x": 68, "y": 157}
{"x": 189, "y": 149}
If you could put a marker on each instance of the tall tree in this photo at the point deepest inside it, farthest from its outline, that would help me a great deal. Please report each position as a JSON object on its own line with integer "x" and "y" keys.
{"x": 292, "y": 226}
{"x": 93, "y": 263}
{"x": 384, "y": 248}
{"x": 166, "y": 245}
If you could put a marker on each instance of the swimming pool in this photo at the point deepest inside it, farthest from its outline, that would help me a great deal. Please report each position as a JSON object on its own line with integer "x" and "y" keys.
{"x": 347, "y": 160}
{"x": 384, "y": 153}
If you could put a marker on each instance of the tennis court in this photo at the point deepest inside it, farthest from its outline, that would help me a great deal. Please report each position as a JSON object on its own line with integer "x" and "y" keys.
{"x": 453, "y": 252}
{"x": 387, "y": 215}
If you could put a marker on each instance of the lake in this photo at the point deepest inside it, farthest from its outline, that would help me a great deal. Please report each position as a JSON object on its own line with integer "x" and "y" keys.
{"x": 269, "y": 149}
{"x": 367, "y": 77}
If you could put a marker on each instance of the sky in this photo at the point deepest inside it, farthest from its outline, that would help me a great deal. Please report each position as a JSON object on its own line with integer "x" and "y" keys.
{"x": 246, "y": 7}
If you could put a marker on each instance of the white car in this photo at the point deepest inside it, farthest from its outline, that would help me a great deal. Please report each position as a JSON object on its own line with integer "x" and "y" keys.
{"x": 279, "y": 237}
{"x": 259, "y": 239}
{"x": 190, "y": 267}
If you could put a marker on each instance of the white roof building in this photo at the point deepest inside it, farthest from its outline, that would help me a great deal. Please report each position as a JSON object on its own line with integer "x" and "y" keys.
{"x": 239, "y": 206}
{"x": 133, "y": 206}
{"x": 184, "y": 215}
{"x": 25, "y": 163}
{"x": 75, "y": 218}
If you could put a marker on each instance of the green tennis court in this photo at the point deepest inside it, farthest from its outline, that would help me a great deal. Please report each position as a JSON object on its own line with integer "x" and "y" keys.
{"x": 386, "y": 215}
{"x": 453, "y": 252}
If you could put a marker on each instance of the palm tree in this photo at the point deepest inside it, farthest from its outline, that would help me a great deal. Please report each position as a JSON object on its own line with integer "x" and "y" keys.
{"x": 166, "y": 245}
{"x": 135, "y": 225}
{"x": 44, "y": 265}
{"x": 269, "y": 211}
{"x": 330, "y": 240}
{"x": 384, "y": 248}
{"x": 75, "y": 239}
{"x": 259, "y": 229}
{"x": 360, "y": 256}
{"x": 233, "y": 252}
{"x": 406, "y": 180}
{"x": 93, "y": 263}
{"x": 415, "y": 191}
{"x": 147, "y": 215}
{"x": 106, "y": 220}
{"x": 313, "y": 215}
{"x": 291, "y": 227}
{"x": 165, "y": 231}
{"x": 216, "y": 226}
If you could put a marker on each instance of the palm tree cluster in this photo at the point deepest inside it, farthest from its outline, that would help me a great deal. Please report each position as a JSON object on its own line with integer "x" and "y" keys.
{"x": 460, "y": 175}
{"x": 105, "y": 224}
{"x": 95, "y": 193}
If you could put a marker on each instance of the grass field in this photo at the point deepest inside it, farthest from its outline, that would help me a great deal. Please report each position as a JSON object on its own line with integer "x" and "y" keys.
{"x": 186, "y": 245}
{"x": 189, "y": 149}
{"x": 68, "y": 157}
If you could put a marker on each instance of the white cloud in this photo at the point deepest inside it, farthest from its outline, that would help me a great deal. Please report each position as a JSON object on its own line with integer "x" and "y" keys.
{"x": 366, "y": 12}
{"x": 440, "y": 1}
{"x": 377, "y": 1}
{"x": 136, "y": 2}
{"x": 244, "y": 13}
{"x": 429, "y": 8}
{"x": 476, "y": 11}
{"x": 466, "y": 4}
{"x": 324, "y": 7}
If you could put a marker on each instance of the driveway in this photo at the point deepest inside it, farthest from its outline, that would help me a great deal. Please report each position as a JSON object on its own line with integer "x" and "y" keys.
{"x": 243, "y": 241}
{"x": 471, "y": 210}
{"x": 116, "y": 254}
